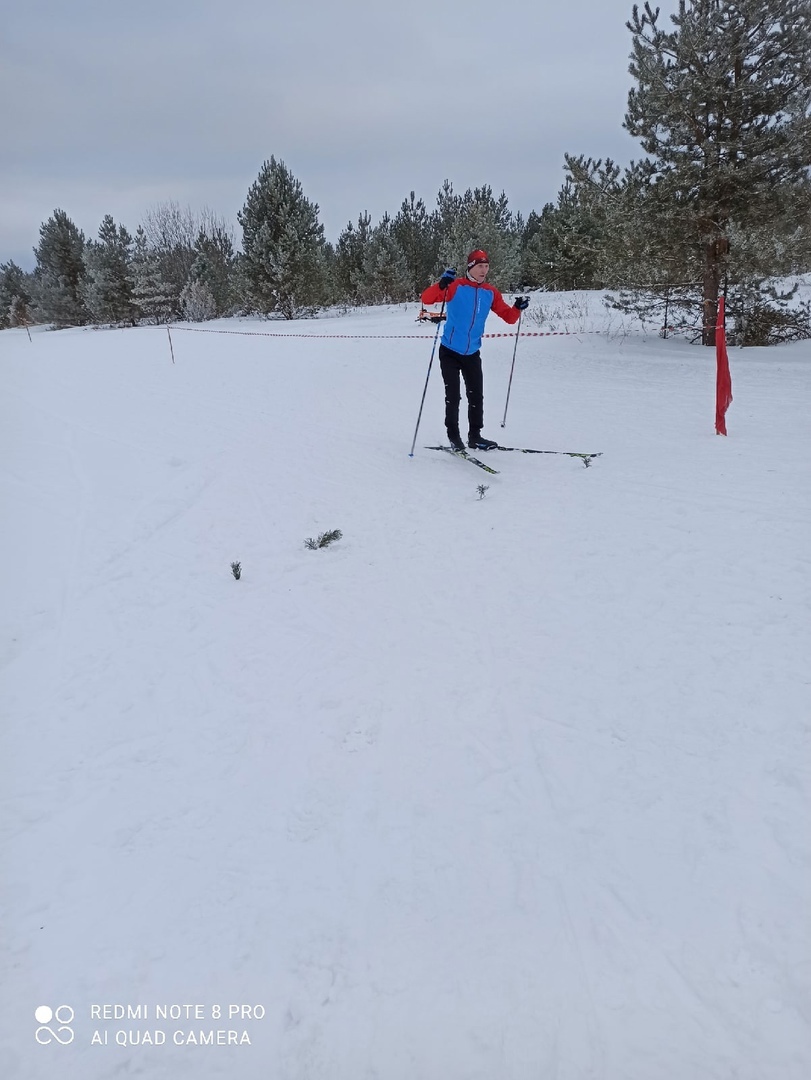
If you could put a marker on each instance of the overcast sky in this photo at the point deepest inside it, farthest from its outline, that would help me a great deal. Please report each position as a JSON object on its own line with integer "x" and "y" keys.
{"x": 114, "y": 107}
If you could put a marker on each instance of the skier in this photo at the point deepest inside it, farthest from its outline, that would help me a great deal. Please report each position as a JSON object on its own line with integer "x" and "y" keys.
{"x": 468, "y": 301}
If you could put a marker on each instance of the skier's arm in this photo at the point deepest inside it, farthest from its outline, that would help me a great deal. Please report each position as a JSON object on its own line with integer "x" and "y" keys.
{"x": 443, "y": 290}
{"x": 508, "y": 312}
{"x": 433, "y": 294}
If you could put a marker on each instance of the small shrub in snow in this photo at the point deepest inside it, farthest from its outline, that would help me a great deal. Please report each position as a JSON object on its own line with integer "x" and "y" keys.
{"x": 482, "y": 490}
{"x": 18, "y": 314}
{"x": 324, "y": 539}
{"x": 236, "y": 570}
{"x": 197, "y": 302}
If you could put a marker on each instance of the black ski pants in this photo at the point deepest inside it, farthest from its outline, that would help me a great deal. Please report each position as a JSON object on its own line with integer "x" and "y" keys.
{"x": 453, "y": 366}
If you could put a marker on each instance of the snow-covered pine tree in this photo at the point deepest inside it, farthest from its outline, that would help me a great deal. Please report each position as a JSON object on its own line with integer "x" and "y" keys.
{"x": 108, "y": 286}
{"x": 561, "y": 248}
{"x": 154, "y": 298}
{"x": 60, "y": 273}
{"x": 415, "y": 232}
{"x": 533, "y": 256}
{"x": 15, "y": 284}
{"x": 349, "y": 255}
{"x": 619, "y": 246}
{"x": 282, "y": 241}
{"x": 328, "y": 261}
{"x": 478, "y": 220}
{"x": 386, "y": 278}
{"x": 214, "y": 266}
{"x": 654, "y": 274}
{"x": 721, "y": 107}
{"x": 761, "y": 311}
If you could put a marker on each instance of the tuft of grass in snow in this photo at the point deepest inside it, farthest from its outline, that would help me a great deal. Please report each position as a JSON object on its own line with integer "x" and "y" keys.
{"x": 586, "y": 312}
{"x": 566, "y": 315}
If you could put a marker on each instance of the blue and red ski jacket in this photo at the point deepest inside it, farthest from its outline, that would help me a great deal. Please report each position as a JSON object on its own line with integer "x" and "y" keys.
{"x": 467, "y": 305}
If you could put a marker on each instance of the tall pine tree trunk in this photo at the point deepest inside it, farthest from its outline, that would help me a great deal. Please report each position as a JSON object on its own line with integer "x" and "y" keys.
{"x": 712, "y": 280}
{"x": 715, "y": 252}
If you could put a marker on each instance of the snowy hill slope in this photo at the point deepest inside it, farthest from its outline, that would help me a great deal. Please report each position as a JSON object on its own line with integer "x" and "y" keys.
{"x": 506, "y": 787}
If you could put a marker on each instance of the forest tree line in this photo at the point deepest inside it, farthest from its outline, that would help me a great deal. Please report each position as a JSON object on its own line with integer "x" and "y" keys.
{"x": 719, "y": 204}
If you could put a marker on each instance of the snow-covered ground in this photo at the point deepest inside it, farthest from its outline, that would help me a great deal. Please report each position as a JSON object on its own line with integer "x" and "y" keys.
{"x": 511, "y": 787}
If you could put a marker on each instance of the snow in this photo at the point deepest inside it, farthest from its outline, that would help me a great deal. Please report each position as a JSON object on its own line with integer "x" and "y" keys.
{"x": 509, "y": 787}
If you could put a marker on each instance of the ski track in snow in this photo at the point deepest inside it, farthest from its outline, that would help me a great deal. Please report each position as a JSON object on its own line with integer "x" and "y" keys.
{"x": 509, "y": 787}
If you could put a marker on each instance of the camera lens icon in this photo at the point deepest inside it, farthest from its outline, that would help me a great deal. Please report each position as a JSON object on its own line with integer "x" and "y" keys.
{"x": 63, "y": 1015}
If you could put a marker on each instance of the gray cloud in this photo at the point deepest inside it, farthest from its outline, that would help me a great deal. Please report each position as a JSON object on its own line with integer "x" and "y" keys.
{"x": 123, "y": 106}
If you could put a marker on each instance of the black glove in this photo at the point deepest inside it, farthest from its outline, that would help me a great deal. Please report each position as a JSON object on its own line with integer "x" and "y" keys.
{"x": 521, "y": 302}
{"x": 448, "y": 276}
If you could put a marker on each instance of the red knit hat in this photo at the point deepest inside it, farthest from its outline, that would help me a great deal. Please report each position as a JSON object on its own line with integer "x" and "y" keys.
{"x": 477, "y": 256}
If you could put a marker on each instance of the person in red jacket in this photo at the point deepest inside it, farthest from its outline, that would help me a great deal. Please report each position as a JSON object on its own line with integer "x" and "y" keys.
{"x": 468, "y": 302}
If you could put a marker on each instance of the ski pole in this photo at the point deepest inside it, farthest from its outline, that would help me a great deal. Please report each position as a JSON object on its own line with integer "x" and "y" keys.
{"x": 428, "y": 376}
{"x": 509, "y": 384}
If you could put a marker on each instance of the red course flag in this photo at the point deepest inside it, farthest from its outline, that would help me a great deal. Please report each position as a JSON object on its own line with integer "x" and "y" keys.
{"x": 723, "y": 380}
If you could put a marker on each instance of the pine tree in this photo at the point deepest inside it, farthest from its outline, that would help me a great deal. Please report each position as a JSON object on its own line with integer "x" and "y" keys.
{"x": 15, "y": 289}
{"x": 531, "y": 253}
{"x": 478, "y": 220}
{"x": 562, "y": 248}
{"x": 109, "y": 283}
{"x": 349, "y": 257}
{"x": 386, "y": 275}
{"x": 60, "y": 274}
{"x": 282, "y": 243}
{"x": 328, "y": 268}
{"x": 415, "y": 233}
{"x": 214, "y": 266}
{"x": 154, "y": 298}
{"x": 721, "y": 108}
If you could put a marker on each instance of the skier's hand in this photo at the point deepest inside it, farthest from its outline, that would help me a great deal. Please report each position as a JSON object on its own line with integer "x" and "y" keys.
{"x": 521, "y": 302}
{"x": 448, "y": 276}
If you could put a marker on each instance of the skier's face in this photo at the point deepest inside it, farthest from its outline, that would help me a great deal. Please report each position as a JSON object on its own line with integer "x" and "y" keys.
{"x": 479, "y": 272}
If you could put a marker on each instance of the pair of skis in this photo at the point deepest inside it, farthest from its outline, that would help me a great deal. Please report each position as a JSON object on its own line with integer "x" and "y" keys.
{"x": 585, "y": 458}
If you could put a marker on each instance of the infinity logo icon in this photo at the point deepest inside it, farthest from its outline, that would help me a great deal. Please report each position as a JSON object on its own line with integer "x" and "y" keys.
{"x": 63, "y": 1014}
